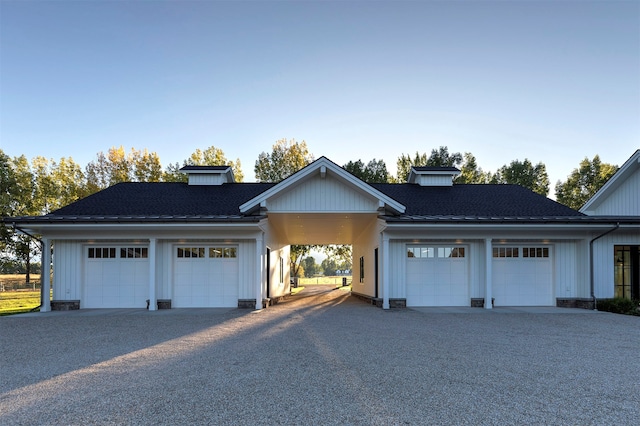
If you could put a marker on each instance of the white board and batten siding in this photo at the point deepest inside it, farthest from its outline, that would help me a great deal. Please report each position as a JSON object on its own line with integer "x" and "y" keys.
{"x": 624, "y": 201}
{"x": 322, "y": 195}
{"x": 603, "y": 259}
{"x": 67, "y": 270}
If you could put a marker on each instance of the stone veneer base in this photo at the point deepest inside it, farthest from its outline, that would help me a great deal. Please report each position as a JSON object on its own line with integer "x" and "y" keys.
{"x": 65, "y": 305}
{"x": 478, "y": 302}
{"x": 575, "y": 302}
{"x": 377, "y": 301}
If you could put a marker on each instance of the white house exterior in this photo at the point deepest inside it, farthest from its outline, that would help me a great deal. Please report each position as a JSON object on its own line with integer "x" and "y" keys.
{"x": 215, "y": 243}
{"x": 616, "y": 255}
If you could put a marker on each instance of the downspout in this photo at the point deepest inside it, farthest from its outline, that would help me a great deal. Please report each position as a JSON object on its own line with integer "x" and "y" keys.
{"x": 591, "y": 283}
{"x": 17, "y": 228}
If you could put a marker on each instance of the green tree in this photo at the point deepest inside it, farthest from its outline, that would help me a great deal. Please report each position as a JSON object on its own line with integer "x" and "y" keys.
{"x": 524, "y": 174}
{"x": 211, "y": 156}
{"x": 374, "y": 172}
{"x": 439, "y": 158}
{"x": 310, "y": 266}
{"x": 584, "y": 182}
{"x": 118, "y": 166}
{"x": 286, "y": 158}
{"x": 297, "y": 252}
{"x": 470, "y": 172}
{"x": 329, "y": 267}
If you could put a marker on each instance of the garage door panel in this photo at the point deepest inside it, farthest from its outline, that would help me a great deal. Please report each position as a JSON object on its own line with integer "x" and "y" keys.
{"x": 435, "y": 278}
{"x": 523, "y": 281}
{"x": 208, "y": 281}
{"x": 113, "y": 281}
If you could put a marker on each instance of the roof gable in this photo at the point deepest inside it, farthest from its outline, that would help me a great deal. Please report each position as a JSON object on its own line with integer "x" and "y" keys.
{"x": 620, "y": 195}
{"x": 322, "y": 186}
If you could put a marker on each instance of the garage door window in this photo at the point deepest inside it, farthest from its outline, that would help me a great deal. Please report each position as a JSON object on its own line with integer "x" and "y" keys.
{"x": 435, "y": 252}
{"x": 101, "y": 253}
{"x": 506, "y": 252}
{"x": 134, "y": 253}
{"x": 223, "y": 252}
{"x": 190, "y": 252}
{"x": 535, "y": 252}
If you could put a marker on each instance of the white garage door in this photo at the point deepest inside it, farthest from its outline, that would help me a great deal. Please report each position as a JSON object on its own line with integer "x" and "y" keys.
{"x": 205, "y": 277}
{"x": 116, "y": 277}
{"x": 522, "y": 276}
{"x": 437, "y": 276}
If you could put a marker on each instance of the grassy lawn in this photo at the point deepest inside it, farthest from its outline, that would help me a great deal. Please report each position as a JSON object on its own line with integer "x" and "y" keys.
{"x": 15, "y": 302}
{"x": 17, "y": 297}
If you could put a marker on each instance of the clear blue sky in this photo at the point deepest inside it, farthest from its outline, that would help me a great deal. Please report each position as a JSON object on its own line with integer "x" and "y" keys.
{"x": 553, "y": 82}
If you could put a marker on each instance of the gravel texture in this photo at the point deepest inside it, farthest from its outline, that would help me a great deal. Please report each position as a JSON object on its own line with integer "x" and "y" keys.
{"x": 321, "y": 357}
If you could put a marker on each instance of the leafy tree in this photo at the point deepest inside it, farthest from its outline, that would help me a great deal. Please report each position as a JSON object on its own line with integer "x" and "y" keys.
{"x": 524, "y": 174}
{"x": 211, "y": 156}
{"x": 470, "y": 172}
{"x": 584, "y": 182}
{"x": 442, "y": 158}
{"x": 329, "y": 267}
{"x": 404, "y": 164}
{"x": 286, "y": 158}
{"x": 117, "y": 166}
{"x": 310, "y": 266}
{"x": 374, "y": 172}
{"x": 439, "y": 158}
{"x": 297, "y": 252}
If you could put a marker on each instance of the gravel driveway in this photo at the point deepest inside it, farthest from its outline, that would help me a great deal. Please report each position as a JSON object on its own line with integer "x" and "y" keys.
{"x": 322, "y": 357}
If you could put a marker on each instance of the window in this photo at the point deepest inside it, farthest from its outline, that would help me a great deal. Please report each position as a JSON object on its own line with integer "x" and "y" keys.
{"x": 626, "y": 270}
{"x": 101, "y": 253}
{"x": 190, "y": 252}
{"x": 281, "y": 270}
{"x": 506, "y": 252}
{"x": 535, "y": 252}
{"x": 134, "y": 252}
{"x": 223, "y": 252}
{"x": 432, "y": 252}
{"x": 362, "y": 269}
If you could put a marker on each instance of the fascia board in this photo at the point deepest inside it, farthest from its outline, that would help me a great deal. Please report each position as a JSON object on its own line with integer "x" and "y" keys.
{"x": 46, "y": 229}
{"x": 616, "y": 180}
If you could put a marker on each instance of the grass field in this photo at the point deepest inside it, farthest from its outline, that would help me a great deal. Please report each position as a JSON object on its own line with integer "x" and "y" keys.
{"x": 16, "y": 296}
{"x": 323, "y": 280}
{"x": 15, "y": 302}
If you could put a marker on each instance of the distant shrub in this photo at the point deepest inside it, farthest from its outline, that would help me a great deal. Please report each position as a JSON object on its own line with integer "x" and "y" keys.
{"x": 619, "y": 305}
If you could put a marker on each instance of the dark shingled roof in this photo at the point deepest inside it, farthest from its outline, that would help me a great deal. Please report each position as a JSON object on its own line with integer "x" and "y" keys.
{"x": 436, "y": 169}
{"x": 165, "y": 199}
{"x": 474, "y": 201}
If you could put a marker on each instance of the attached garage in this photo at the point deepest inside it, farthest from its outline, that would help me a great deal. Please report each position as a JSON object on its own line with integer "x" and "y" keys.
{"x": 205, "y": 276}
{"x": 523, "y": 276}
{"x": 116, "y": 277}
{"x": 437, "y": 275}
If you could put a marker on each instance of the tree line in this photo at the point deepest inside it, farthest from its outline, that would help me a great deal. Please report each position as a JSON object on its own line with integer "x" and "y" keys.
{"x": 44, "y": 185}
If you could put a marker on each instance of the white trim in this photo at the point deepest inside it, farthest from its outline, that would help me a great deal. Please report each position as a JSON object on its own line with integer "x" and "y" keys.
{"x": 488, "y": 276}
{"x": 153, "y": 299}
{"x": 618, "y": 178}
{"x": 385, "y": 271}
{"x": 45, "y": 282}
{"x": 318, "y": 166}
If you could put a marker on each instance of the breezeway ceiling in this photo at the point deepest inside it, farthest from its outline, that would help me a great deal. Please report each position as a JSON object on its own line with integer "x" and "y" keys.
{"x": 320, "y": 228}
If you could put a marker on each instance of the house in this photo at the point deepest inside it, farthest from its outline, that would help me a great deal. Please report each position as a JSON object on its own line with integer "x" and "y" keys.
{"x": 618, "y": 198}
{"x": 212, "y": 242}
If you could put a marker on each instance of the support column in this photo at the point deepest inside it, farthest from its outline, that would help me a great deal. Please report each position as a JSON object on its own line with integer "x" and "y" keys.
{"x": 488, "y": 274}
{"x": 153, "y": 298}
{"x": 45, "y": 277}
{"x": 385, "y": 271}
{"x": 259, "y": 269}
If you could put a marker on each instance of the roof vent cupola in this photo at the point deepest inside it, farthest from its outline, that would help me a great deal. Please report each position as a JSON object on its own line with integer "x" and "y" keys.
{"x": 208, "y": 175}
{"x": 433, "y": 176}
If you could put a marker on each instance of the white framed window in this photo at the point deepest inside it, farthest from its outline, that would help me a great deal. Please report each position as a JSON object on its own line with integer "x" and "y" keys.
{"x": 101, "y": 253}
{"x": 535, "y": 252}
{"x": 190, "y": 252}
{"x": 427, "y": 252}
{"x": 134, "y": 252}
{"x": 506, "y": 252}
